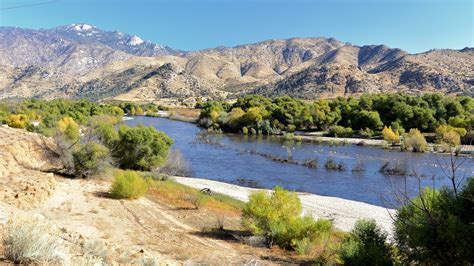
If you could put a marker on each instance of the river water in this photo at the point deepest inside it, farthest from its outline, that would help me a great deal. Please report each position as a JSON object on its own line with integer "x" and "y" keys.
{"x": 256, "y": 161}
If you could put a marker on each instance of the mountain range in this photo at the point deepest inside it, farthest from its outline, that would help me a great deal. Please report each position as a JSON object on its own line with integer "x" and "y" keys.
{"x": 81, "y": 60}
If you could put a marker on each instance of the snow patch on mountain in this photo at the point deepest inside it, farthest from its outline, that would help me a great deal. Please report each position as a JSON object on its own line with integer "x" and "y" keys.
{"x": 82, "y": 27}
{"x": 135, "y": 40}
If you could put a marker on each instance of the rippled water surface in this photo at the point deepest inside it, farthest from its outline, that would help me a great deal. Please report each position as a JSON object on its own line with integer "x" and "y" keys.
{"x": 254, "y": 161}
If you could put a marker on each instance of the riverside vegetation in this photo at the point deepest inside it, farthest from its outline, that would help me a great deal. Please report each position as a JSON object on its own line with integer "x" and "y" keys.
{"x": 435, "y": 227}
{"x": 387, "y": 115}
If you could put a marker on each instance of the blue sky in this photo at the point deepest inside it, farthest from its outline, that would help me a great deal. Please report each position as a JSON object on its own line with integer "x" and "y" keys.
{"x": 413, "y": 25}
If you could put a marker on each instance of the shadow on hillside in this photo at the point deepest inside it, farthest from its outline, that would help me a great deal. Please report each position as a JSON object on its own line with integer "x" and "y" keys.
{"x": 184, "y": 209}
{"x": 223, "y": 234}
{"x": 103, "y": 194}
{"x": 243, "y": 237}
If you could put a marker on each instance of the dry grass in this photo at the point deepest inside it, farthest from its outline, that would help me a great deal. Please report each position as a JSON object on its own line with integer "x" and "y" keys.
{"x": 184, "y": 114}
{"x": 177, "y": 195}
{"x": 30, "y": 240}
{"x": 96, "y": 248}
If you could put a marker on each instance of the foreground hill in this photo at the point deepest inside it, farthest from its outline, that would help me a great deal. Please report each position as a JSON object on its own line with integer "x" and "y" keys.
{"x": 93, "y": 229}
{"x": 81, "y": 60}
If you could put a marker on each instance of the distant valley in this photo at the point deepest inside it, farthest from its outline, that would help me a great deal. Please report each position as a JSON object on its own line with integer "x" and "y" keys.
{"x": 81, "y": 60}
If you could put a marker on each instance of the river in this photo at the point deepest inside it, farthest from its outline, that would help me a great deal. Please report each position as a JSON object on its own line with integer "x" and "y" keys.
{"x": 253, "y": 161}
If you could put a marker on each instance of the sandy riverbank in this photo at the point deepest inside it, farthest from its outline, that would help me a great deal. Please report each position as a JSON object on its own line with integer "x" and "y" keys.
{"x": 344, "y": 213}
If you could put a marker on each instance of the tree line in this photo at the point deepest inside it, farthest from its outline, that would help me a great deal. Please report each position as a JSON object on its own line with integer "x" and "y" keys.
{"x": 363, "y": 117}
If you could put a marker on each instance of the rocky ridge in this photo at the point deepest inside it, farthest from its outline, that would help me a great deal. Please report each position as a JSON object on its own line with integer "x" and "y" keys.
{"x": 80, "y": 60}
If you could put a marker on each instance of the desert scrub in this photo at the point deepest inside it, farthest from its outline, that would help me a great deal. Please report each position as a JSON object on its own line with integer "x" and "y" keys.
{"x": 128, "y": 185}
{"x": 30, "y": 240}
{"x": 278, "y": 218}
{"x": 197, "y": 200}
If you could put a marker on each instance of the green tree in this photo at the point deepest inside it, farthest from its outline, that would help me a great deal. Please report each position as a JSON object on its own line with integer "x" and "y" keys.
{"x": 437, "y": 227}
{"x": 141, "y": 148}
{"x": 367, "y": 119}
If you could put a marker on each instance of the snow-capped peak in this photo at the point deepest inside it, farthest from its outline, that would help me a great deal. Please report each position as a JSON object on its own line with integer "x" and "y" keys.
{"x": 82, "y": 27}
{"x": 135, "y": 40}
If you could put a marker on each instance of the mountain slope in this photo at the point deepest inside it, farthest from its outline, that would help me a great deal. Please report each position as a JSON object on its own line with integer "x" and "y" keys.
{"x": 132, "y": 44}
{"x": 81, "y": 60}
{"x": 23, "y": 48}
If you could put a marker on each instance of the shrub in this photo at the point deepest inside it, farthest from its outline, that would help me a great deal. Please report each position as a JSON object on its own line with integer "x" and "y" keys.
{"x": 128, "y": 185}
{"x": 415, "y": 141}
{"x": 234, "y": 118}
{"x": 394, "y": 168}
{"x": 141, "y": 148}
{"x": 197, "y": 200}
{"x": 437, "y": 227}
{"x": 331, "y": 164}
{"x": 91, "y": 159}
{"x": 245, "y": 131}
{"x": 96, "y": 248}
{"x": 367, "y": 245}
{"x": 366, "y": 133}
{"x": 338, "y": 131}
{"x": 17, "y": 121}
{"x": 359, "y": 166}
{"x": 69, "y": 128}
{"x": 278, "y": 217}
{"x": 311, "y": 163}
{"x": 104, "y": 130}
{"x": 452, "y": 138}
{"x": 106, "y": 133}
{"x": 397, "y": 127}
{"x": 446, "y": 128}
{"x": 176, "y": 165}
{"x": 450, "y": 135}
{"x": 390, "y": 136}
{"x": 303, "y": 246}
{"x": 31, "y": 240}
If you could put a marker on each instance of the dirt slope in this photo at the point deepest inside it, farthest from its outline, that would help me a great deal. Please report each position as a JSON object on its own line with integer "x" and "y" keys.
{"x": 116, "y": 231}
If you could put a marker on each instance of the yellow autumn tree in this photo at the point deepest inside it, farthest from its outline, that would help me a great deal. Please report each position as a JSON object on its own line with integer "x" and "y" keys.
{"x": 234, "y": 117}
{"x": 390, "y": 136}
{"x": 17, "y": 121}
{"x": 69, "y": 128}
